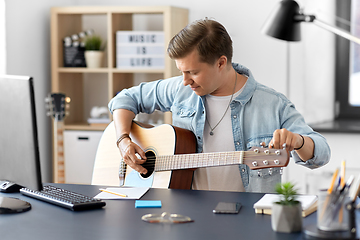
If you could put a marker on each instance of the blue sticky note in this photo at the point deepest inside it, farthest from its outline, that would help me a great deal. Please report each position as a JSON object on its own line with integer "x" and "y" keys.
{"x": 147, "y": 204}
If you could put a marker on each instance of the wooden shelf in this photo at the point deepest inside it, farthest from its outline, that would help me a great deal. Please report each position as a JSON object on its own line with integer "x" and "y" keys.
{"x": 109, "y": 70}
{"x": 72, "y": 81}
{"x": 85, "y": 127}
{"x": 82, "y": 70}
{"x": 137, "y": 70}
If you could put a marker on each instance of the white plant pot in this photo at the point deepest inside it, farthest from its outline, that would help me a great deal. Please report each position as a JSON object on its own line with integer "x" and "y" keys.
{"x": 94, "y": 59}
{"x": 286, "y": 218}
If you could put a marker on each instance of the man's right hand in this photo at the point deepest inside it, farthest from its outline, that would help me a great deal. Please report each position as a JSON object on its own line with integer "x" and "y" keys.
{"x": 133, "y": 155}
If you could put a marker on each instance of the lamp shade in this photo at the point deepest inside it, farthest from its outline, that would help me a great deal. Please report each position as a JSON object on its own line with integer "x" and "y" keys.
{"x": 282, "y": 23}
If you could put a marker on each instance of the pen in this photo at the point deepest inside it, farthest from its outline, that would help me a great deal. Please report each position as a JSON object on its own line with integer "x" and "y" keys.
{"x": 342, "y": 186}
{"x": 115, "y": 193}
{"x": 338, "y": 201}
{"x": 342, "y": 174}
{"x": 330, "y": 189}
{"x": 355, "y": 190}
{"x": 345, "y": 189}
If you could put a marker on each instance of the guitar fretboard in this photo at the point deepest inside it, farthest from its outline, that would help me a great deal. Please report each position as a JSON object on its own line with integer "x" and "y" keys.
{"x": 256, "y": 158}
{"x": 186, "y": 161}
{"x": 59, "y": 163}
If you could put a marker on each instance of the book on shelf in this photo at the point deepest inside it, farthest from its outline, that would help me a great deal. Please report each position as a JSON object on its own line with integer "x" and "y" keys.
{"x": 264, "y": 205}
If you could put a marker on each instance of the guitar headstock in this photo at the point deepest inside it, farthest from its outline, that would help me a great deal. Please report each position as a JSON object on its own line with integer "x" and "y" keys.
{"x": 56, "y": 105}
{"x": 259, "y": 157}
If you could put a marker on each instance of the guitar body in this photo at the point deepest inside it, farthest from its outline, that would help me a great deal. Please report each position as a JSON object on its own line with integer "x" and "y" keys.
{"x": 162, "y": 140}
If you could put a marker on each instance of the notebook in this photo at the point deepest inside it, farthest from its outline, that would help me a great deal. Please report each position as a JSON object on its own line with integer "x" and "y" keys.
{"x": 264, "y": 205}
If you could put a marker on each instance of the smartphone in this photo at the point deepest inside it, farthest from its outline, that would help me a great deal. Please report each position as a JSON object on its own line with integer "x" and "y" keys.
{"x": 227, "y": 207}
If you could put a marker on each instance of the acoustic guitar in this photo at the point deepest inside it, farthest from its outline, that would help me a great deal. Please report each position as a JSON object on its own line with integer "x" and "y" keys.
{"x": 171, "y": 157}
{"x": 56, "y": 104}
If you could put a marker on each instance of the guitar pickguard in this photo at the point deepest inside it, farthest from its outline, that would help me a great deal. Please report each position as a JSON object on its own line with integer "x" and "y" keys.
{"x": 134, "y": 179}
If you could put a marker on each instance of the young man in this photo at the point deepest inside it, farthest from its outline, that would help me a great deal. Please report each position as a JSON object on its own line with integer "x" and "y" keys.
{"x": 226, "y": 109}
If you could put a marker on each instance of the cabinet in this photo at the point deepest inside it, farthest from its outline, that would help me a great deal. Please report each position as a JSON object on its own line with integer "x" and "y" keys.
{"x": 79, "y": 153}
{"x": 89, "y": 87}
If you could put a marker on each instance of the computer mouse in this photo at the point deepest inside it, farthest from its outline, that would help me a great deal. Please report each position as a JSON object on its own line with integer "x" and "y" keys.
{"x": 9, "y": 187}
{"x": 13, "y": 205}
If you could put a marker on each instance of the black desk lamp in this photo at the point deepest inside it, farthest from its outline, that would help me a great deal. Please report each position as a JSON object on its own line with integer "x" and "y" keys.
{"x": 284, "y": 23}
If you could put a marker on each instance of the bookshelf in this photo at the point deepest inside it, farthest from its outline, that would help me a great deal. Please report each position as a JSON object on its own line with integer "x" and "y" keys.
{"x": 90, "y": 87}
{"x": 75, "y": 82}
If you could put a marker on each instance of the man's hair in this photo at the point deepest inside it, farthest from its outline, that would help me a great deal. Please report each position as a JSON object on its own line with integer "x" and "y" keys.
{"x": 208, "y": 37}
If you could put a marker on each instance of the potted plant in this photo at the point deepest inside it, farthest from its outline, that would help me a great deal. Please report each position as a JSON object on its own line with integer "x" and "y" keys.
{"x": 287, "y": 212}
{"x": 93, "y": 51}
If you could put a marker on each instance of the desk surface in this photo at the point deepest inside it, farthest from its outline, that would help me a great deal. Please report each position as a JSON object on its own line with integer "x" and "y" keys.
{"x": 120, "y": 220}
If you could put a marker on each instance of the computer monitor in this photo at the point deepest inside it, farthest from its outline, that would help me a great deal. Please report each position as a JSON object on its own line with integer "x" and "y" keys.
{"x": 19, "y": 148}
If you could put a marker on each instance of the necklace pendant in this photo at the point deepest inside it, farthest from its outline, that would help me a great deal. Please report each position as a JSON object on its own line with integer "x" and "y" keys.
{"x": 211, "y": 133}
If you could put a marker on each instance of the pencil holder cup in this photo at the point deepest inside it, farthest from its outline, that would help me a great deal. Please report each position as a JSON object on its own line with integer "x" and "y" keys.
{"x": 332, "y": 214}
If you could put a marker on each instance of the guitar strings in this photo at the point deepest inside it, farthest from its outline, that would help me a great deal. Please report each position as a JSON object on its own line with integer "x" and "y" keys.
{"x": 164, "y": 160}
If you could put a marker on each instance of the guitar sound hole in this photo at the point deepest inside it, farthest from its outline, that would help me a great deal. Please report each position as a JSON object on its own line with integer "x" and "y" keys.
{"x": 149, "y": 164}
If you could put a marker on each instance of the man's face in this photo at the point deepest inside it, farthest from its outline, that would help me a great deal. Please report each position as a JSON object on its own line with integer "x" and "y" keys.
{"x": 203, "y": 78}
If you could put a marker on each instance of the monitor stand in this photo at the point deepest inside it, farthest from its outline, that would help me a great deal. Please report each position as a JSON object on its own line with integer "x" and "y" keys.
{"x": 13, "y": 205}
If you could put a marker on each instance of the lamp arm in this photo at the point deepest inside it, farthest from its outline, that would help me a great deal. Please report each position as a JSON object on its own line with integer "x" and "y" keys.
{"x": 337, "y": 31}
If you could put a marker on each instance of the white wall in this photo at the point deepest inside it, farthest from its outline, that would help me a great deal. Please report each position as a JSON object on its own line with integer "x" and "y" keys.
{"x": 312, "y": 80}
{"x": 312, "y": 65}
{"x": 28, "y": 53}
{"x": 2, "y": 38}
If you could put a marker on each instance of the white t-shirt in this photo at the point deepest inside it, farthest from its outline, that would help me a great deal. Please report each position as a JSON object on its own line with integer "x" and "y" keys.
{"x": 224, "y": 178}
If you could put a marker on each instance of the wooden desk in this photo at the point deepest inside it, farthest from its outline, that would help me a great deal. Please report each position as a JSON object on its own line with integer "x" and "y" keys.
{"x": 120, "y": 220}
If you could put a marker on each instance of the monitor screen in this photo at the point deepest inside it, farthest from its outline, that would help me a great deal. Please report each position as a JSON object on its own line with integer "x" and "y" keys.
{"x": 19, "y": 150}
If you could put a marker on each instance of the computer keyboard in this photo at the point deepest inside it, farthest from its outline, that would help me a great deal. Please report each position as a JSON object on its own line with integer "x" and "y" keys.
{"x": 64, "y": 198}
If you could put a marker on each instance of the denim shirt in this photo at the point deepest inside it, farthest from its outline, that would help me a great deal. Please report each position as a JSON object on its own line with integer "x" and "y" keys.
{"x": 255, "y": 114}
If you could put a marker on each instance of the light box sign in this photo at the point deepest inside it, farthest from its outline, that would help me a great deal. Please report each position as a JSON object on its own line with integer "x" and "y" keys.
{"x": 140, "y": 49}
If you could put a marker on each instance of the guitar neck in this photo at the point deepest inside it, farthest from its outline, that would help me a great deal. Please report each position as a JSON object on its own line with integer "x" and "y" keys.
{"x": 256, "y": 158}
{"x": 59, "y": 166}
{"x": 185, "y": 161}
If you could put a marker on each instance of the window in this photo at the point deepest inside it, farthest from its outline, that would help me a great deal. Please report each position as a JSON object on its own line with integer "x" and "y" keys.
{"x": 348, "y": 62}
{"x": 354, "y": 85}
{"x": 2, "y": 38}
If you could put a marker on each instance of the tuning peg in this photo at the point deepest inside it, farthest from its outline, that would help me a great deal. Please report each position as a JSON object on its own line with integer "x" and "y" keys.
{"x": 281, "y": 171}
{"x": 48, "y": 114}
{"x": 47, "y": 99}
{"x": 262, "y": 144}
{"x": 67, "y": 100}
{"x": 284, "y": 146}
{"x": 270, "y": 171}
{"x": 67, "y": 113}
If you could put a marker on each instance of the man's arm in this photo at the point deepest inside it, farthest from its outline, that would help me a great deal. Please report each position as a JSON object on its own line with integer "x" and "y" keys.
{"x": 128, "y": 149}
{"x": 303, "y": 145}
